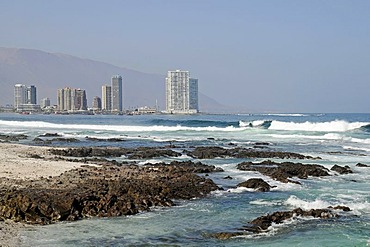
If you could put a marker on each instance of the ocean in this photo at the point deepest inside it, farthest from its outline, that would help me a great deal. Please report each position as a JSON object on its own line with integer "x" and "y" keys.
{"x": 342, "y": 139}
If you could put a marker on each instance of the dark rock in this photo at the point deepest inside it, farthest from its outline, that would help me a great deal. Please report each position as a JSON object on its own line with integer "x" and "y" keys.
{"x": 262, "y": 144}
{"x": 219, "y": 152}
{"x": 103, "y": 139}
{"x": 50, "y": 135}
{"x": 13, "y": 138}
{"x": 261, "y": 224}
{"x": 100, "y": 191}
{"x": 131, "y": 153}
{"x": 283, "y": 171}
{"x": 60, "y": 139}
{"x": 341, "y": 169}
{"x": 228, "y": 177}
{"x": 256, "y": 183}
{"x": 362, "y": 165}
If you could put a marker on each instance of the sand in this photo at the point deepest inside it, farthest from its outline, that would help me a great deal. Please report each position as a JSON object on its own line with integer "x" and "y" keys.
{"x": 16, "y": 162}
{"x": 17, "y": 165}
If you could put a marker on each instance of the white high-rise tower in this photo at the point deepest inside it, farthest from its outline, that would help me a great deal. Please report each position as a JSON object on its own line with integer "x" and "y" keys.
{"x": 181, "y": 93}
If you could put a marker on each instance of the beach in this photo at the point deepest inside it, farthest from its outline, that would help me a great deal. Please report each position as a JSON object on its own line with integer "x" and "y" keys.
{"x": 16, "y": 165}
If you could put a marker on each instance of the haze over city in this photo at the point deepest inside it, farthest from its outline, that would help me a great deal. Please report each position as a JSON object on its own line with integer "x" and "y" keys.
{"x": 276, "y": 56}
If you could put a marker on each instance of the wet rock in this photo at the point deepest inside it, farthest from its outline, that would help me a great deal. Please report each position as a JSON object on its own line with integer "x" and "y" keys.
{"x": 228, "y": 177}
{"x": 283, "y": 171}
{"x": 187, "y": 166}
{"x": 256, "y": 183}
{"x": 341, "y": 169}
{"x": 362, "y": 165}
{"x": 50, "y": 135}
{"x": 12, "y": 138}
{"x": 262, "y": 224}
{"x": 101, "y": 191}
{"x": 60, "y": 139}
{"x": 131, "y": 153}
{"x": 104, "y": 140}
{"x": 219, "y": 152}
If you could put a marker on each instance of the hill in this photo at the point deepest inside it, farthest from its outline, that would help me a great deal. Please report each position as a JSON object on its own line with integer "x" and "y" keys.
{"x": 50, "y": 71}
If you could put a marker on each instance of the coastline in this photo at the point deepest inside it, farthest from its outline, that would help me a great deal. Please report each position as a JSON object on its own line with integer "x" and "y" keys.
{"x": 17, "y": 166}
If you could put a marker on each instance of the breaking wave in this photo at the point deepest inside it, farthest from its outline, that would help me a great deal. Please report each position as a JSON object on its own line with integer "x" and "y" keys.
{"x": 332, "y": 126}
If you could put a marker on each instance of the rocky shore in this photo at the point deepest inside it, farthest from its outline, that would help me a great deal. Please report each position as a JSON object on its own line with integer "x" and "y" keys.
{"x": 43, "y": 185}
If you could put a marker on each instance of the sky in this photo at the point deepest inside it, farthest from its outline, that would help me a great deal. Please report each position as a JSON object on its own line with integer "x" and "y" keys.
{"x": 257, "y": 55}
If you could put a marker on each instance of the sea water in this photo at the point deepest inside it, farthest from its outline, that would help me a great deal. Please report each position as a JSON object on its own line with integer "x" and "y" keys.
{"x": 342, "y": 139}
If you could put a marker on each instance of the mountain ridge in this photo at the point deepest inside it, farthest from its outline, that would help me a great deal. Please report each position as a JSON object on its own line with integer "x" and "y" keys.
{"x": 50, "y": 71}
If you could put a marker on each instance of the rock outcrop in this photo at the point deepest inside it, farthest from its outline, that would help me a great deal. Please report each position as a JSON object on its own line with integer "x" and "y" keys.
{"x": 256, "y": 183}
{"x": 101, "y": 191}
{"x": 341, "y": 169}
{"x": 283, "y": 171}
{"x": 219, "y": 152}
{"x": 262, "y": 224}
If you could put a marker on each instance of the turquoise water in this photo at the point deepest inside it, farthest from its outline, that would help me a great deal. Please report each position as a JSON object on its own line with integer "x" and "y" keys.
{"x": 342, "y": 139}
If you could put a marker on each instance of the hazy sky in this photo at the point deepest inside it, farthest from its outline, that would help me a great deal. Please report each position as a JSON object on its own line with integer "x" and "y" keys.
{"x": 264, "y": 55}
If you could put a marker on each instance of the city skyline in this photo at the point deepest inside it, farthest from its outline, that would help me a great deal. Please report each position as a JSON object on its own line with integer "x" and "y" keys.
{"x": 181, "y": 96}
{"x": 289, "y": 56}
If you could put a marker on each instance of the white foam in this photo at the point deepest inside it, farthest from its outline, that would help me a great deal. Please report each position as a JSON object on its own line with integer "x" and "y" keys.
{"x": 121, "y": 128}
{"x": 332, "y": 126}
{"x": 306, "y": 205}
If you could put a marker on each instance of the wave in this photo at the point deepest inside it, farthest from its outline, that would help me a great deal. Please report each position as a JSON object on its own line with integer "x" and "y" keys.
{"x": 263, "y": 124}
{"x": 193, "y": 123}
{"x": 285, "y": 114}
{"x": 365, "y": 128}
{"x": 332, "y": 126}
{"x": 119, "y": 128}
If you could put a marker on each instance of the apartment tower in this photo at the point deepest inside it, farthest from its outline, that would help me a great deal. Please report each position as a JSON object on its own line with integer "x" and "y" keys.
{"x": 181, "y": 93}
{"x": 117, "y": 100}
{"x": 106, "y": 92}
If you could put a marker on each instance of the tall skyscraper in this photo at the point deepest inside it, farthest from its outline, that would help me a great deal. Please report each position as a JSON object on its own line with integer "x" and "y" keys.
{"x": 20, "y": 95}
{"x": 106, "y": 92}
{"x": 181, "y": 93}
{"x": 31, "y": 95}
{"x": 71, "y": 99}
{"x": 117, "y": 100}
{"x": 24, "y": 95}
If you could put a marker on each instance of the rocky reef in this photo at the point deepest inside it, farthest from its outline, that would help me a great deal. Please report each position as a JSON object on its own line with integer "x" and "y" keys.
{"x": 284, "y": 171}
{"x": 102, "y": 191}
{"x": 262, "y": 224}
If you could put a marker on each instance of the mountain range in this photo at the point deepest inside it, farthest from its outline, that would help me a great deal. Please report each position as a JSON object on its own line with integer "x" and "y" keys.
{"x": 50, "y": 71}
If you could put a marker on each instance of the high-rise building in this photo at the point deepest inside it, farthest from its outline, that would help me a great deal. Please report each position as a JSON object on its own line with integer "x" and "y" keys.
{"x": 20, "y": 95}
{"x": 96, "y": 104}
{"x": 181, "y": 93}
{"x": 106, "y": 92}
{"x": 71, "y": 99}
{"x": 80, "y": 102}
{"x": 31, "y": 95}
{"x": 60, "y": 99}
{"x": 24, "y": 95}
{"x": 117, "y": 100}
{"x": 45, "y": 102}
